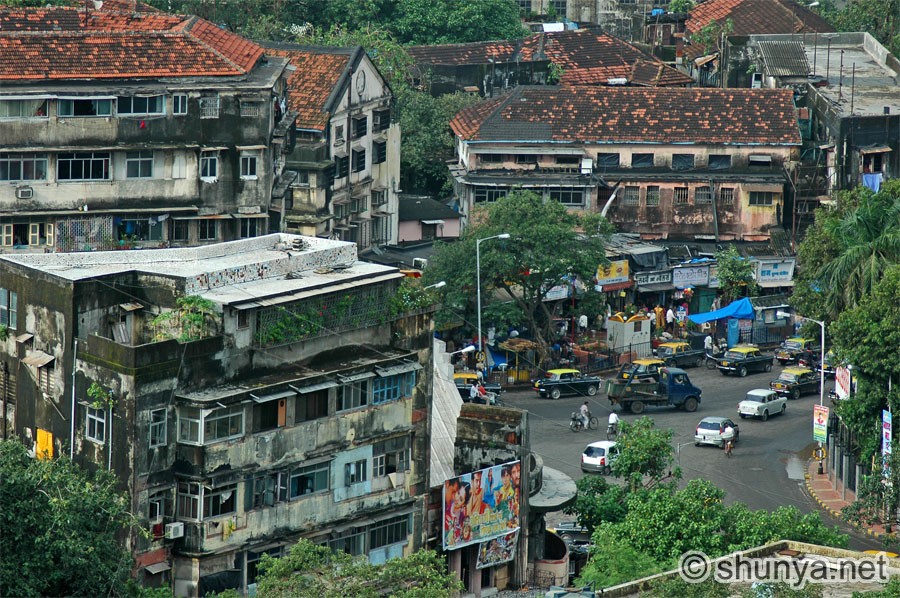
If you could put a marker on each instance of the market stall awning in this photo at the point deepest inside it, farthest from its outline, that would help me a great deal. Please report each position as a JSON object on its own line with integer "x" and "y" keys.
{"x": 741, "y": 309}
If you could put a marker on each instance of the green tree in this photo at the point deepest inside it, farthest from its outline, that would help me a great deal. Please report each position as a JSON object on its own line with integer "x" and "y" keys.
{"x": 645, "y": 454}
{"x": 681, "y": 5}
{"x": 736, "y": 275}
{"x": 59, "y": 528}
{"x": 312, "y": 570}
{"x": 521, "y": 268}
{"x": 598, "y": 501}
{"x": 613, "y": 561}
{"x": 880, "y": 18}
{"x": 712, "y": 35}
{"x": 423, "y": 22}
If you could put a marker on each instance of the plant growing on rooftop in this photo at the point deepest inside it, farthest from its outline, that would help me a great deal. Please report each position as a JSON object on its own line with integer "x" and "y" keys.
{"x": 191, "y": 320}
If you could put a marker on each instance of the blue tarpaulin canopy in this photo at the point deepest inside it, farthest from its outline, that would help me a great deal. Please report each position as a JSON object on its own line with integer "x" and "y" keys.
{"x": 742, "y": 309}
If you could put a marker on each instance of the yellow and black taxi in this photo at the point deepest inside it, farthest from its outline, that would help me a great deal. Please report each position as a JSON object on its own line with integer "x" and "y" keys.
{"x": 743, "y": 359}
{"x": 680, "y": 354}
{"x": 464, "y": 382}
{"x": 793, "y": 347}
{"x": 641, "y": 369}
{"x": 793, "y": 382}
{"x": 829, "y": 365}
{"x": 566, "y": 382}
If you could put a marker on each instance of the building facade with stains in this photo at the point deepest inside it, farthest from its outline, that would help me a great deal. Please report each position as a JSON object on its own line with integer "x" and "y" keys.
{"x": 661, "y": 163}
{"x": 245, "y": 394}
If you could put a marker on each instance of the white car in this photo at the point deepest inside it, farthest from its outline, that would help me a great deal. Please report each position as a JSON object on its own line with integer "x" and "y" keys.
{"x": 598, "y": 457}
{"x": 762, "y": 403}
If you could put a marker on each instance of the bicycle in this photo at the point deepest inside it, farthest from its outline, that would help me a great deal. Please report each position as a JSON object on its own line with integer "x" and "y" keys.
{"x": 612, "y": 431}
{"x": 576, "y": 425}
{"x": 711, "y": 361}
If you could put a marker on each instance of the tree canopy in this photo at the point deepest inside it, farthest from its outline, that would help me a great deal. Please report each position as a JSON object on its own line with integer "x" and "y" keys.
{"x": 59, "y": 528}
{"x": 736, "y": 275}
{"x": 880, "y": 18}
{"x": 312, "y": 570}
{"x": 521, "y": 269}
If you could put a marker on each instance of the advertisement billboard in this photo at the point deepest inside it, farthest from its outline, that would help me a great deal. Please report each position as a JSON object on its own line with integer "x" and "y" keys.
{"x": 820, "y": 423}
{"x": 481, "y": 505}
{"x": 497, "y": 551}
{"x": 617, "y": 271}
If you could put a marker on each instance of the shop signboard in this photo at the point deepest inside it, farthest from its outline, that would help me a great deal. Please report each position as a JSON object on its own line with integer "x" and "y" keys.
{"x": 690, "y": 276}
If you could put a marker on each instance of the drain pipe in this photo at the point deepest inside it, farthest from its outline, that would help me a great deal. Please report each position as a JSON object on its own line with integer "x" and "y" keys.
{"x": 611, "y": 199}
{"x": 72, "y": 418}
{"x": 109, "y": 446}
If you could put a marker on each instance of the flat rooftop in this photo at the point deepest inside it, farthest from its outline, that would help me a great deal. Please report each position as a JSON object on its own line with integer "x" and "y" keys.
{"x": 231, "y": 272}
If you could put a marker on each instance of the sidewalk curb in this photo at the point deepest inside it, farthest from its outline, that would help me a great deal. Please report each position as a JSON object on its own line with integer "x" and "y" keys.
{"x": 837, "y": 514}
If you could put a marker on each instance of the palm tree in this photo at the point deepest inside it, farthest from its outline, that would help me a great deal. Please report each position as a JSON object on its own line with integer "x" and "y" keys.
{"x": 868, "y": 240}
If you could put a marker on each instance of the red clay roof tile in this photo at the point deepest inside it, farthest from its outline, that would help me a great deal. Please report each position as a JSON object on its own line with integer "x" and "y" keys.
{"x": 310, "y": 85}
{"x": 757, "y": 17}
{"x": 633, "y": 115}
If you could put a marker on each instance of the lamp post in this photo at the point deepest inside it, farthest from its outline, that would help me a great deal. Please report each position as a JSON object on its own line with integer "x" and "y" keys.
{"x": 478, "y": 274}
{"x": 784, "y": 314}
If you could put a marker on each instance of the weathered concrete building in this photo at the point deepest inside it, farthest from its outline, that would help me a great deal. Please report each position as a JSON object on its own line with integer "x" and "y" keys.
{"x": 347, "y": 152}
{"x": 245, "y": 394}
{"x": 659, "y": 162}
{"x": 134, "y": 129}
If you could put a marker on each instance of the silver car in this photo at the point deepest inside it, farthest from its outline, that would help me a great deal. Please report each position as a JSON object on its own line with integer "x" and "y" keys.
{"x": 711, "y": 430}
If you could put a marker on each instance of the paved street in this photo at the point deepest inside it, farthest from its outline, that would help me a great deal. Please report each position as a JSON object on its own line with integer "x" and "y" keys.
{"x": 769, "y": 462}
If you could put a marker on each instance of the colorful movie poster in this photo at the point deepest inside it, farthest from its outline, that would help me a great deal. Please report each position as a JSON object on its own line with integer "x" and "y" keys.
{"x": 497, "y": 551}
{"x": 481, "y": 505}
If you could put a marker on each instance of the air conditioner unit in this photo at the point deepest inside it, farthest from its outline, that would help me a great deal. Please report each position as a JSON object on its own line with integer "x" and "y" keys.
{"x": 420, "y": 263}
{"x": 24, "y": 192}
{"x": 174, "y": 530}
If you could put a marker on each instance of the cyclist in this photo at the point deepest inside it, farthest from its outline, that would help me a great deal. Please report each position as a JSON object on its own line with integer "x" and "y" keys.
{"x": 585, "y": 415}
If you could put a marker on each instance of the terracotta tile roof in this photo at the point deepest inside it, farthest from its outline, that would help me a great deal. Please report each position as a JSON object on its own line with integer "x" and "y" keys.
{"x": 67, "y": 43}
{"x": 310, "y": 85}
{"x": 648, "y": 73}
{"x": 758, "y": 17}
{"x": 586, "y": 57}
{"x": 633, "y": 115}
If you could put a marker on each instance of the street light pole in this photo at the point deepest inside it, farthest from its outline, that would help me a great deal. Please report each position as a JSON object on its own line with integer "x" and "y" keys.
{"x": 478, "y": 285}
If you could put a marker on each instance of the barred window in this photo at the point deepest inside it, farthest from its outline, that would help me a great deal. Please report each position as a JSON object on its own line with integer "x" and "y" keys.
{"x": 703, "y": 195}
{"x": 250, "y": 109}
{"x": 209, "y": 106}
{"x": 681, "y": 196}
{"x": 632, "y": 195}
{"x": 726, "y": 195}
{"x": 652, "y": 196}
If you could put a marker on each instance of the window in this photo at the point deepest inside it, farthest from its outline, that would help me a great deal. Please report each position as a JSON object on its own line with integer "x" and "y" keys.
{"x": 490, "y": 158}
{"x": 682, "y": 161}
{"x": 489, "y": 194}
{"x": 390, "y": 531}
{"x": 309, "y": 479}
{"x": 188, "y": 500}
{"x": 568, "y": 196}
{"x": 9, "y": 310}
{"x": 179, "y": 231}
{"x": 339, "y": 133}
{"x": 209, "y": 166}
{"x": 36, "y": 108}
{"x": 354, "y": 395}
{"x": 209, "y": 229}
{"x": 652, "y": 196}
{"x": 359, "y": 160}
{"x": 608, "y": 160}
{"x": 311, "y": 406}
{"x": 95, "y": 425}
{"x": 248, "y": 165}
{"x": 23, "y": 167}
{"x": 249, "y": 227}
{"x": 726, "y": 195}
{"x": 761, "y": 198}
{"x": 41, "y": 233}
{"x": 219, "y": 501}
{"x": 717, "y": 162}
{"x": 157, "y": 508}
{"x": 139, "y": 165}
{"x": 45, "y": 378}
{"x": 352, "y": 541}
{"x": 355, "y": 473}
{"x": 390, "y": 456}
{"x": 379, "y": 152}
{"x": 157, "y": 428}
{"x": 250, "y": 109}
{"x": 526, "y": 159}
{"x": 680, "y": 196}
{"x": 360, "y": 126}
{"x": 391, "y": 388}
{"x": 180, "y": 104}
{"x": 341, "y": 167}
{"x": 75, "y": 107}
{"x": 381, "y": 120}
{"x": 223, "y": 424}
{"x": 560, "y": 7}
{"x": 632, "y": 195}
{"x": 143, "y": 229}
{"x": 209, "y": 106}
{"x": 568, "y": 160}
{"x": 270, "y": 415}
{"x": 83, "y": 166}
{"x": 703, "y": 195}
{"x": 137, "y": 105}
{"x": 642, "y": 160}
{"x": 189, "y": 425}
{"x": 760, "y": 160}
{"x": 379, "y": 197}
{"x": 269, "y": 489}
{"x": 243, "y": 318}
{"x": 254, "y": 557}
